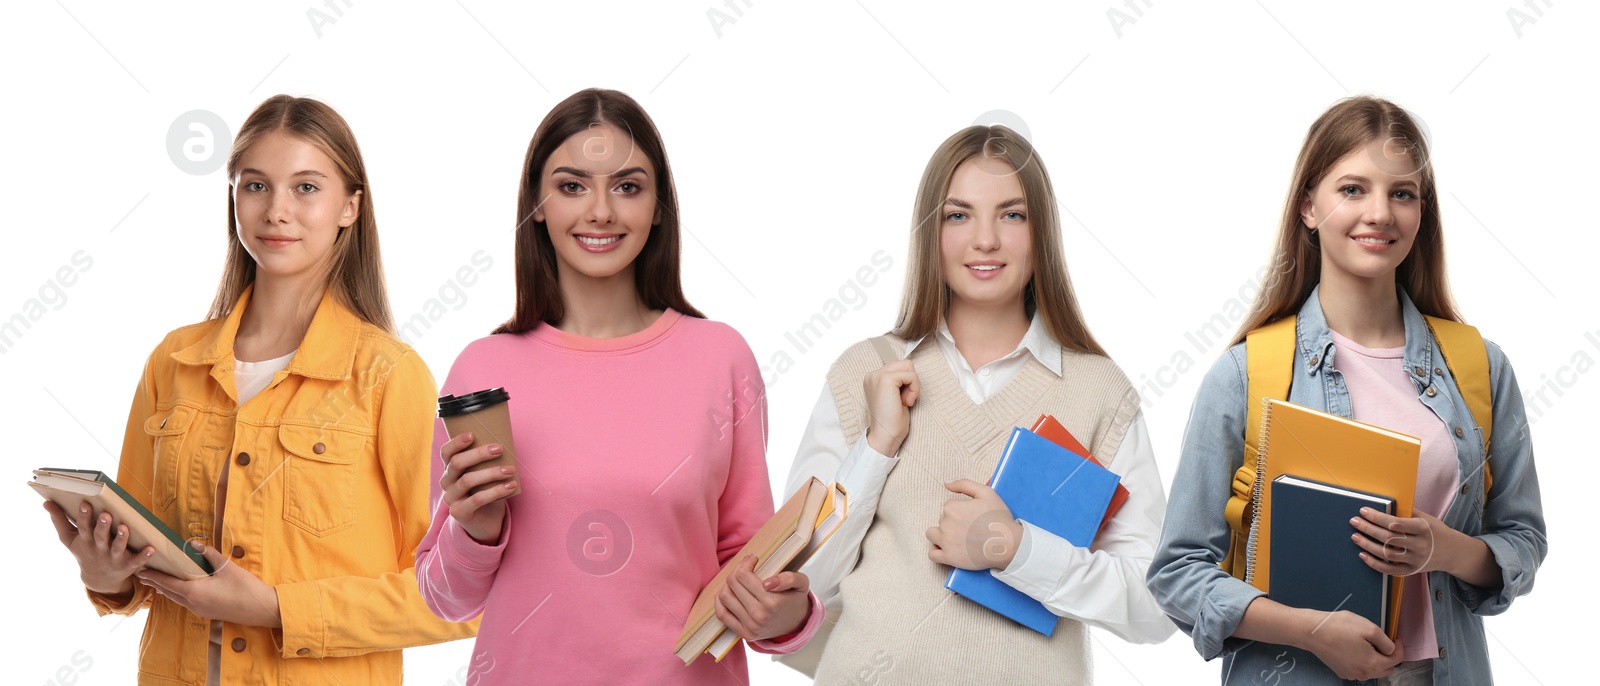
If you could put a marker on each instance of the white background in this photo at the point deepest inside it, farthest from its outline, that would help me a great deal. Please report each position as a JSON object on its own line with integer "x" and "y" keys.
{"x": 798, "y": 132}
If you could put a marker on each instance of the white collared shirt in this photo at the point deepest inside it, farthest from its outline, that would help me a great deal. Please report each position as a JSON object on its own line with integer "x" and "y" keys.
{"x": 1102, "y": 586}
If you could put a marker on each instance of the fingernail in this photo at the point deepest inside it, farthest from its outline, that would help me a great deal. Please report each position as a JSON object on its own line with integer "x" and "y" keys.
{"x": 1355, "y": 520}
{"x": 467, "y": 436}
{"x": 511, "y": 485}
{"x": 84, "y": 507}
{"x": 505, "y": 470}
{"x": 1366, "y": 510}
{"x": 494, "y": 450}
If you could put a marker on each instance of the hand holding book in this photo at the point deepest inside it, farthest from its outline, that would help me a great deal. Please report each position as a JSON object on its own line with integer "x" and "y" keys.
{"x": 976, "y": 533}
{"x": 757, "y": 609}
{"x": 232, "y": 594}
{"x": 104, "y": 561}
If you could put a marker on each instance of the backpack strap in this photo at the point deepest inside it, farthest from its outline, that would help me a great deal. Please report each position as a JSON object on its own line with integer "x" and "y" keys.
{"x": 1269, "y": 364}
{"x": 1468, "y": 359}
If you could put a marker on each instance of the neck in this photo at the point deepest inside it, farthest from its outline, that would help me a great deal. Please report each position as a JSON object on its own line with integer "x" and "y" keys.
{"x": 607, "y": 307}
{"x": 986, "y": 333}
{"x": 276, "y": 318}
{"x": 1364, "y": 310}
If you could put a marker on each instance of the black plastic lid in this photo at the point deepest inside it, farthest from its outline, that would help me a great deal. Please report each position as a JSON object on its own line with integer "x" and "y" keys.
{"x": 451, "y": 405}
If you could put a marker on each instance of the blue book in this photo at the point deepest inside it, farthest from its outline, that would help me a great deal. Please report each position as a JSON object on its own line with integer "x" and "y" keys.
{"x": 1314, "y": 563}
{"x": 1049, "y": 487}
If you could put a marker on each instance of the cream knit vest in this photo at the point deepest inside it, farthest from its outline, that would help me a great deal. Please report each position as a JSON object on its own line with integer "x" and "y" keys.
{"x": 899, "y": 624}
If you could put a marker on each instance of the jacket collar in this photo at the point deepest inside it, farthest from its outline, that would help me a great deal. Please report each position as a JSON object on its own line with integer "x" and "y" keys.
{"x": 328, "y": 350}
{"x": 1316, "y": 343}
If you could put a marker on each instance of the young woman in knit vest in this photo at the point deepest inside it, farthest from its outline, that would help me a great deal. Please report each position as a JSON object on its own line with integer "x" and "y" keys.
{"x": 1359, "y": 260}
{"x": 639, "y": 429}
{"x": 990, "y": 337}
{"x": 308, "y": 510}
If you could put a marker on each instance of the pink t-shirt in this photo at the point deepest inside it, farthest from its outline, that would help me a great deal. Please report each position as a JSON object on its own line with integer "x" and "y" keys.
{"x": 1381, "y": 393}
{"x": 643, "y": 468}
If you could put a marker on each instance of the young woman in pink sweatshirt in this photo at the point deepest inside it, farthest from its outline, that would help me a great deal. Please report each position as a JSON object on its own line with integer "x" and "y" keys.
{"x": 639, "y": 429}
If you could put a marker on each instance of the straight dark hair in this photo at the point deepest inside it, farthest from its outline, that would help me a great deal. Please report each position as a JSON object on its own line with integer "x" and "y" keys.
{"x": 657, "y": 269}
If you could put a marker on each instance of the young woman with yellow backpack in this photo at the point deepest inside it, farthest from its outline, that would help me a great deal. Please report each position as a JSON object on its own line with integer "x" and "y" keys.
{"x": 1357, "y": 320}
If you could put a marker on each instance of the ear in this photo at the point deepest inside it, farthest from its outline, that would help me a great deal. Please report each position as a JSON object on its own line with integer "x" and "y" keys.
{"x": 656, "y": 220}
{"x": 352, "y": 211}
{"x": 1307, "y": 212}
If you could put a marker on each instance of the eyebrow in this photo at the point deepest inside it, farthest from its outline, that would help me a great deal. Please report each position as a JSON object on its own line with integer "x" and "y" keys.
{"x": 957, "y": 202}
{"x": 1362, "y": 179}
{"x": 302, "y": 172}
{"x": 583, "y": 174}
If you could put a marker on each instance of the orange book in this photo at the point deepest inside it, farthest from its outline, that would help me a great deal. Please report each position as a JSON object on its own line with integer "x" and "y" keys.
{"x": 1048, "y": 428}
{"x": 775, "y": 545}
{"x": 1334, "y": 450}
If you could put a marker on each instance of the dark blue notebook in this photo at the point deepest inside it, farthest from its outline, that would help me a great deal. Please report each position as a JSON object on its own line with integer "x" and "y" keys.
{"x": 1315, "y": 565}
{"x": 1049, "y": 487}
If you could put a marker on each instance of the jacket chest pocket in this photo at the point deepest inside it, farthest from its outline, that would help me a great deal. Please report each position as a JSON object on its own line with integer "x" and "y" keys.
{"x": 320, "y": 472}
{"x": 167, "y": 430}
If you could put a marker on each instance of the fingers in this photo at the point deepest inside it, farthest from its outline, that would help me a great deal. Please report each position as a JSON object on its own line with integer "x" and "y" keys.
{"x": 911, "y": 390}
{"x": 1378, "y": 639}
{"x": 787, "y": 581}
{"x": 119, "y": 542}
{"x": 463, "y": 461}
{"x": 102, "y": 531}
{"x": 469, "y": 506}
{"x": 212, "y": 556}
{"x": 1392, "y": 523}
{"x": 65, "y": 530}
{"x": 471, "y": 481}
{"x": 752, "y": 613}
{"x": 729, "y": 619}
{"x": 969, "y": 488}
{"x": 455, "y": 445}
{"x": 84, "y": 520}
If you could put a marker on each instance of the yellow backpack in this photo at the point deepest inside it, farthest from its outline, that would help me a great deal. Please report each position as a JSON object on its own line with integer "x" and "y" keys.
{"x": 1269, "y": 362}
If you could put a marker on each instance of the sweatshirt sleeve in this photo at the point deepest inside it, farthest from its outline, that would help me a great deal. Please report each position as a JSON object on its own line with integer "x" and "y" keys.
{"x": 454, "y": 571}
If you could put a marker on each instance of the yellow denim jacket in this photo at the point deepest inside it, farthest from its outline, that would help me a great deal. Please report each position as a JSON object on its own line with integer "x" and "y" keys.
{"x": 327, "y": 499}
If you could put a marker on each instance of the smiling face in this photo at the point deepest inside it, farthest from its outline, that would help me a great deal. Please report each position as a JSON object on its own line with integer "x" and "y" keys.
{"x": 598, "y": 202}
{"x": 985, "y": 238}
{"x": 1366, "y": 210}
{"x": 290, "y": 204}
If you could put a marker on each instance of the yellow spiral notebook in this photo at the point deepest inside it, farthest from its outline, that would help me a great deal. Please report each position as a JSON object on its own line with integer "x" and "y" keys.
{"x": 1332, "y": 449}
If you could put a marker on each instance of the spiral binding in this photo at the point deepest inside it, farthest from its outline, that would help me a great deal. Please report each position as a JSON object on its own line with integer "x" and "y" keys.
{"x": 1255, "y": 491}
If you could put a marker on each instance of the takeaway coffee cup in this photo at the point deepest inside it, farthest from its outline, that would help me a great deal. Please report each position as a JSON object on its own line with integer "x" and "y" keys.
{"x": 486, "y": 414}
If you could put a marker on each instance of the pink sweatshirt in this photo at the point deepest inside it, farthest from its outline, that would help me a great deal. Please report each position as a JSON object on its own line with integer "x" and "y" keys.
{"x": 643, "y": 468}
{"x": 1381, "y": 393}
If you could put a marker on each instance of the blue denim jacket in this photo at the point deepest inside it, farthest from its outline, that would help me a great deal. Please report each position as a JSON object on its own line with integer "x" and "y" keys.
{"x": 1208, "y": 604}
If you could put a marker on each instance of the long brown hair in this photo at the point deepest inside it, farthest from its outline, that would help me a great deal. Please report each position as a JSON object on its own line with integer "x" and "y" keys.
{"x": 354, "y": 266}
{"x": 657, "y": 269}
{"x": 1049, "y": 290}
{"x": 1296, "y": 266}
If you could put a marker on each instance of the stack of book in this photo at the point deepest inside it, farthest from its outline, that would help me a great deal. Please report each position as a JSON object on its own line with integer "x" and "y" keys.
{"x": 1048, "y": 479}
{"x": 784, "y": 543}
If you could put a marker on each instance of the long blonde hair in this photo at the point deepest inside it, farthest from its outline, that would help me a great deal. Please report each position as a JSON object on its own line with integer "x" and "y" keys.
{"x": 355, "y": 268}
{"x": 1296, "y": 265}
{"x": 1049, "y": 290}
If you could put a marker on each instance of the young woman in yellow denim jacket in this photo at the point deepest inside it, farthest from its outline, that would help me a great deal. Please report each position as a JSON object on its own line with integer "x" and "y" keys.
{"x": 287, "y": 436}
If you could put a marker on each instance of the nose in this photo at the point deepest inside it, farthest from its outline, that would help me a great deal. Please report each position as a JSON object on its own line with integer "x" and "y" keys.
{"x": 277, "y": 207}
{"x": 599, "y": 210}
{"x": 1378, "y": 212}
{"x": 985, "y": 235}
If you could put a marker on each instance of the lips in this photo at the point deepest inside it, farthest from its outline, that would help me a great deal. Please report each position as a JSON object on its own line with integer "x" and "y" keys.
{"x": 276, "y": 241}
{"x": 985, "y": 269}
{"x": 598, "y": 243}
